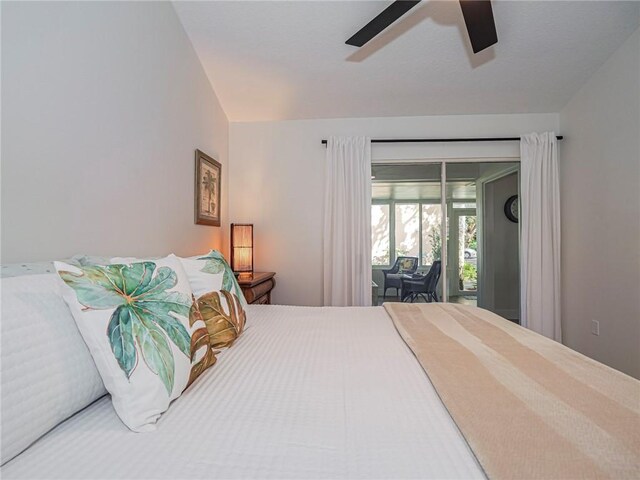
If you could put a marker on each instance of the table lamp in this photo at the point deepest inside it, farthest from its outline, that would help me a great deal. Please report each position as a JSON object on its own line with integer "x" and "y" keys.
{"x": 242, "y": 248}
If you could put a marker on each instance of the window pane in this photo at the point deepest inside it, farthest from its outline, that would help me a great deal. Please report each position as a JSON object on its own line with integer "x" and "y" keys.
{"x": 431, "y": 244}
{"x": 468, "y": 253}
{"x": 407, "y": 229}
{"x": 380, "y": 234}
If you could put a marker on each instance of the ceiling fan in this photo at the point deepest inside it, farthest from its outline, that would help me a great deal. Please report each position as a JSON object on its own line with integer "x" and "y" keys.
{"x": 478, "y": 17}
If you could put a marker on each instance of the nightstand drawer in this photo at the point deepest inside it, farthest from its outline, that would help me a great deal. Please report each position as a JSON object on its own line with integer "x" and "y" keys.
{"x": 263, "y": 300}
{"x": 262, "y": 289}
{"x": 257, "y": 287}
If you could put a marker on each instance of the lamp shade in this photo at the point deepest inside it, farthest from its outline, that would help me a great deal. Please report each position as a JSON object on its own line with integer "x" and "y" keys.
{"x": 242, "y": 247}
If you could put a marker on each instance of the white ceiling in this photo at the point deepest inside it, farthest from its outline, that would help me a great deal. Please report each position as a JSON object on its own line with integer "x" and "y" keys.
{"x": 287, "y": 60}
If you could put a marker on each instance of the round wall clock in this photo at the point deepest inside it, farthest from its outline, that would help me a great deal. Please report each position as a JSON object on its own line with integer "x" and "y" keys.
{"x": 511, "y": 208}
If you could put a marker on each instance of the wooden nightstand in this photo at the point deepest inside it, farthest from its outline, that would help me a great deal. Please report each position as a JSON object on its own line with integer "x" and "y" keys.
{"x": 257, "y": 287}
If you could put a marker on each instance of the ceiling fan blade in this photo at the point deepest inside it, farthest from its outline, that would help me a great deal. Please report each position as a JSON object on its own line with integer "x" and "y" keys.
{"x": 478, "y": 16}
{"x": 382, "y": 21}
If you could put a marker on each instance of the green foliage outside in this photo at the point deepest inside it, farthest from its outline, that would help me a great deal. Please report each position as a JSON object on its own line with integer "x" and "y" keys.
{"x": 470, "y": 233}
{"x": 469, "y": 272}
{"x": 436, "y": 244}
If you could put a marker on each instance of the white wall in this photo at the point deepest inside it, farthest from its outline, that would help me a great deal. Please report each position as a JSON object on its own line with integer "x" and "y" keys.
{"x": 277, "y": 176}
{"x": 600, "y": 185}
{"x": 103, "y": 105}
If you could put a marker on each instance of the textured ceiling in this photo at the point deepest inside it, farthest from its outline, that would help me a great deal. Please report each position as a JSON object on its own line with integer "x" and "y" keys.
{"x": 287, "y": 60}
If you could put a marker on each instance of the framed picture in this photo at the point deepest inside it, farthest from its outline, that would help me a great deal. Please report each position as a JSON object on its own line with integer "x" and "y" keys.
{"x": 207, "y": 189}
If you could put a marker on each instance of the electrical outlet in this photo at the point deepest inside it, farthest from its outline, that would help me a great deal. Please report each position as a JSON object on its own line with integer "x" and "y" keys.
{"x": 595, "y": 327}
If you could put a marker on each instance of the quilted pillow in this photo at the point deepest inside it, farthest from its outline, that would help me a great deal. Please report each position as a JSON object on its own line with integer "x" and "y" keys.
{"x": 135, "y": 320}
{"x": 37, "y": 268}
{"x": 41, "y": 385}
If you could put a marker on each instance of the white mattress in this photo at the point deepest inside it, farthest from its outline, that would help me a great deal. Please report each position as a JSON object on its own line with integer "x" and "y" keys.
{"x": 305, "y": 393}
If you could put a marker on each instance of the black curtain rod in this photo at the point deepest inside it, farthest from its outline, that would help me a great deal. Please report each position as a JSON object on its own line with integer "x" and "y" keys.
{"x": 445, "y": 140}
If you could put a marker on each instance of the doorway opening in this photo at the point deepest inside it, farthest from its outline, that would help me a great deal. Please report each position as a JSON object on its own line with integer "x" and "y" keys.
{"x": 413, "y": 203}
{"x": 464, "y": 254}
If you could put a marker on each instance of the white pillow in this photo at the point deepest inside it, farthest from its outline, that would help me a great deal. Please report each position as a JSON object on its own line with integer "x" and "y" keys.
{"x": 47, "y": 370}
{"x": 135, "y": 320}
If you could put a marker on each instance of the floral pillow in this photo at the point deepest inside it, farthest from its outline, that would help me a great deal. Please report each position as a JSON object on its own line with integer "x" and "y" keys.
{"x": 206, "y": 273}
{"x": 135, "y": 319}
{"x": 219, "y": 305}
{"x": 211, "y": 272}
{"x": 222, "y": 327}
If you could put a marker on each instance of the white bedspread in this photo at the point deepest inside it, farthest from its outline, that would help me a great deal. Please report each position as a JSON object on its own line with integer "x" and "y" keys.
{"x": 305, "y": 393}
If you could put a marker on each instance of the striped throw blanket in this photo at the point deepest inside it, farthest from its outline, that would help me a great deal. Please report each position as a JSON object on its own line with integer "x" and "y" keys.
{"x": 529, "y": 407}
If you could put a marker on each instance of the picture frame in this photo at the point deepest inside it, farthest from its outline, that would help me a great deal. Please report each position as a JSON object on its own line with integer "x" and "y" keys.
{"x": 208, "y": 180}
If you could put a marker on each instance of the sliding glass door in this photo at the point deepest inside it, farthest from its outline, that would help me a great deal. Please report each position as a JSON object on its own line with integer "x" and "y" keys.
{"x": 414, "y": 203}
{"x": 406, "y": 219}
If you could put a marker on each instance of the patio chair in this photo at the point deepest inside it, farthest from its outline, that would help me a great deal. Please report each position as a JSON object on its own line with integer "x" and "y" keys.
{"x": 393, "y": 276}
{"x": 424, "y": 287}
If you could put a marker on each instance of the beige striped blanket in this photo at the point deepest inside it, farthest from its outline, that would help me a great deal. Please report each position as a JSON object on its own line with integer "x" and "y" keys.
{"x": 528, "y": 407}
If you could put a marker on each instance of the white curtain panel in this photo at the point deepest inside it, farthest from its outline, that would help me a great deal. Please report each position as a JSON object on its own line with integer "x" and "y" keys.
{"x": 347, "y": 222}
{"x": 540, "y": 244}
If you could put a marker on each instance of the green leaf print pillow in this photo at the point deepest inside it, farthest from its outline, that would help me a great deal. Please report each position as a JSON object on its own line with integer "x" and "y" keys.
{"x": 206, "y": 273}
{"x": 135, "y": 320}
{"x": 211, "y": 272}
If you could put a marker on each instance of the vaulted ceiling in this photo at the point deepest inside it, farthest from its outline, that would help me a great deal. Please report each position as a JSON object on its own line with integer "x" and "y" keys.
{"x": 272, "y": 60}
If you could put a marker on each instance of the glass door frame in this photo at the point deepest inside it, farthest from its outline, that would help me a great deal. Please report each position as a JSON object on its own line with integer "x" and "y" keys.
{"x": 456, "y": 213}
{"x": 485, "y": 292}
{"x": 444, "y": 204}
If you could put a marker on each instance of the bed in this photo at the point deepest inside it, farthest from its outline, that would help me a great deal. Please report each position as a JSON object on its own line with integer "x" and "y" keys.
{"x": 304, "y": 393}
{"x": 310, "y": 392}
